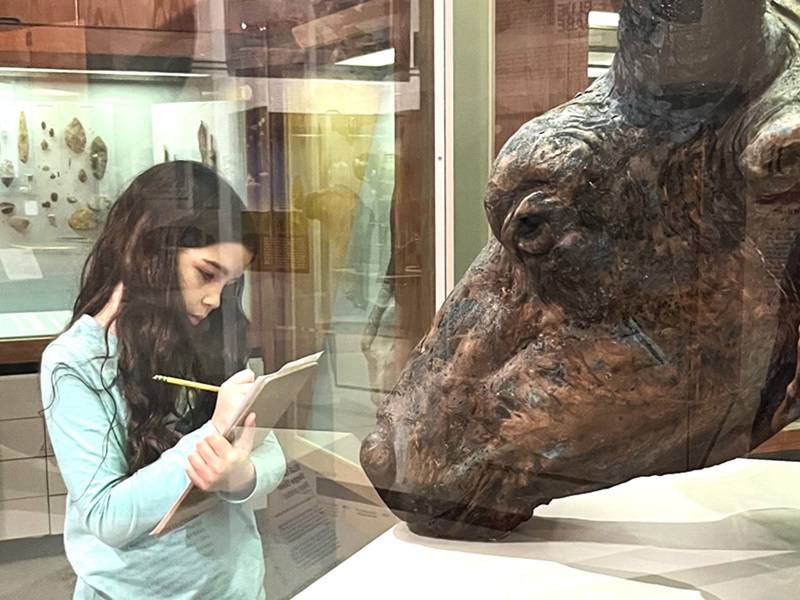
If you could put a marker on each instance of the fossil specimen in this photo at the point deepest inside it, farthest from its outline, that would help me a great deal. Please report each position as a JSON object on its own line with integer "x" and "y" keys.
{"x": 622, "y": 322}
{"x": 75, "y": 136}
{"x": 7, "y": 172}
{"x": 21, "y": 224}
{"x": 99, "y": 157}
{"x": 99, "y": 203}
{"x": 23, "y": 139}
{"x": 82, "y": 176}
{"x": 7, "y": 208}
{"x": 82, "y": 220}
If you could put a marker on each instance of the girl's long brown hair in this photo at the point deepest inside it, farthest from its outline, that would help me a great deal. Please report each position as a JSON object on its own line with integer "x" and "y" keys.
{"x": 173, "y": 205}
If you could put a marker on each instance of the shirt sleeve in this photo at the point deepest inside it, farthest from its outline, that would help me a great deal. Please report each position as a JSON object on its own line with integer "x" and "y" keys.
{"x": 270, "y": 467}
{"x": 86, "y": 436}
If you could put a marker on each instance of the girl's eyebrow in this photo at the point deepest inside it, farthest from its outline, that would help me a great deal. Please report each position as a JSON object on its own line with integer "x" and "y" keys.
{"x": 217, "y": 266}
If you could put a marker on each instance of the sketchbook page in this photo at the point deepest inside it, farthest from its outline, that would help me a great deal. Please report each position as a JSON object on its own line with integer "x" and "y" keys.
{"x": 272, "y": 395}
{"x": 280, "y": 387}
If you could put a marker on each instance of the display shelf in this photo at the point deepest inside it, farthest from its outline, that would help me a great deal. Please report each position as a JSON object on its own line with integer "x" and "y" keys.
{"x": 722, "y": 532}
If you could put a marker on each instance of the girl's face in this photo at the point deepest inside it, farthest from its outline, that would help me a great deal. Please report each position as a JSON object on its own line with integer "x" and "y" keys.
{"x": 203, "y": 272}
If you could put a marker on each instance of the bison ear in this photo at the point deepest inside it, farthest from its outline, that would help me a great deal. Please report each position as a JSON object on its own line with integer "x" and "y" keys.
{"x": 771, "y": 161}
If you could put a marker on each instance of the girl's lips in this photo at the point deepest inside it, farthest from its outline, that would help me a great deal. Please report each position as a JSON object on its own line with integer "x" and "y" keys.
{"x": 195, "y": 320}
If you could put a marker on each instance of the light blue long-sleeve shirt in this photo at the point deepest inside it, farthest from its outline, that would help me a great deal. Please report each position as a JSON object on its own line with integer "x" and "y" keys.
{"x": 109, "y": 516}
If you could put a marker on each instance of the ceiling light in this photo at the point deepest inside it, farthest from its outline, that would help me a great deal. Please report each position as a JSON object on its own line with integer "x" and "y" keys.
{"x": 104, "y": 72}
{"x": 599, "y": 19}
{"x": 381, "y": 58}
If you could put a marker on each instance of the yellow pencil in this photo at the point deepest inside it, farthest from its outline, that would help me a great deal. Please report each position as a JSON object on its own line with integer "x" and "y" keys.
{"x": 186, "y": 383}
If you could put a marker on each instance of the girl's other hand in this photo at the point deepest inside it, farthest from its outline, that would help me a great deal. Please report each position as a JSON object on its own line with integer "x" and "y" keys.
{"x": 229, "y": 399}
{"x": 216, "y": 465}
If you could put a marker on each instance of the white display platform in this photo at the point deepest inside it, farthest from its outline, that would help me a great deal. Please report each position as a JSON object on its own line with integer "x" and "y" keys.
{"x": 730, "y": 532}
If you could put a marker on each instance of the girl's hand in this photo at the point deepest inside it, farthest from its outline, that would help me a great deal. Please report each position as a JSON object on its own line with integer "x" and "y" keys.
{"x": 216, "y": 465}
{"x": 229, "y": 399}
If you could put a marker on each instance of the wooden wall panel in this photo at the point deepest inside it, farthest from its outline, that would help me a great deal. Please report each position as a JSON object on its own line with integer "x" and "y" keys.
{"x": 159, "y": 15}
{"x": 541, "y": 57}
{"x": 39, "y": 12}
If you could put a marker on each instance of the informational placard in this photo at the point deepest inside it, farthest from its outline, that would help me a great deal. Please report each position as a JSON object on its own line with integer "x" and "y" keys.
{"x": 20, "y": 264}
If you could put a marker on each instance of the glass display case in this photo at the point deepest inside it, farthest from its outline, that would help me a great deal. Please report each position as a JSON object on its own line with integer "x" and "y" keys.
{"x": 319, "y": 114}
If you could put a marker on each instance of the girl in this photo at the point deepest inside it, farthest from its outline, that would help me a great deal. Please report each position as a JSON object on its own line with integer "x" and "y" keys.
{"x": 160, "y": 293}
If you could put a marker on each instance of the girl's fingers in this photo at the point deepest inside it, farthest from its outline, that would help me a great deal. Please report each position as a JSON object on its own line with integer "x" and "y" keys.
{"x": 247, "y": 435}
{"x": 209, "y": 455}
{"x": 195, "y": 478}
{"x": 244, "y": 376}
{"x": 219, "y": 445}
{"x": 201, "y": 468}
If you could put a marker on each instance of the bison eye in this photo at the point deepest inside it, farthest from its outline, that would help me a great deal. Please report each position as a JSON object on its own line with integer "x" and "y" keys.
{"x": 533, "y": 233}
{"x": 528, "y": 224}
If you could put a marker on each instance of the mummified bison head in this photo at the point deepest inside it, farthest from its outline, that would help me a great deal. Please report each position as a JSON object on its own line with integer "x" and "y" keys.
{"x": 637, "y": 311}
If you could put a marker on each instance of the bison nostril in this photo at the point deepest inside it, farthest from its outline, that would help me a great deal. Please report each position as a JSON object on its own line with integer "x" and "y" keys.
{"x": 378, "y": 459}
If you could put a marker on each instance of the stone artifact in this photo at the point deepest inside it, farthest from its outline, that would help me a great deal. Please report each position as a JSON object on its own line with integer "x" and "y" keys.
{"x": 21, "y": 224}
{"x": 82, "y": 220}
{"x": 99, "y": 203}
{"x": 45, "y": 146}
{"x": 75, "y": 136}
{"x": 44, "y": 125}
{"x": 7, "y": 208}
{"x": 54, "y": 196}
{"x": 99, "y": 157}
{"x": 51, "y": 132}
{"x": 7, "y": 172}
{"x": 72, "y": 199}
{"x": 624, "y": 320}
{"x": 82, "y": 176}
{"x": 23, "y": 139}
{"x": 46, "y": 204}
{"x": 51, "y": 218}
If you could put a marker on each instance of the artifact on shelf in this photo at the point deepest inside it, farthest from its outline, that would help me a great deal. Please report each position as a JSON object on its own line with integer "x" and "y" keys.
{"x": 51, "y": 218}
{"x": 23, "y": 139}
{"x": 7, "y": 208}
{"x": 7, "y": 173}
{"x": 51, "y": 132}
{"x": 21, "y": 224}
{"x": 623, "y": 321}
{"x": 54, "y": 196}
{"x": 99, "y": 203}
{"x": 82, "y": 219}
{"x": 72, "y": 199}
{"x": 47, "y": 204}
{"x": 99, "y": 157}
{"x": 82, "y": 176}
{"x": 45, "y": 146}
{"x": 75, "y": 136}
{"x": 44, "y": 125}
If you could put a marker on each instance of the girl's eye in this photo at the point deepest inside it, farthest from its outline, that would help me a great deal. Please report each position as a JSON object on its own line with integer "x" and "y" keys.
{"x": 206, "y": 275}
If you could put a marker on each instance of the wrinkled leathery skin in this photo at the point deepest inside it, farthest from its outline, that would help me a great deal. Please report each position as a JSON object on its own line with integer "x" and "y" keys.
{"x": 620, "y": 323}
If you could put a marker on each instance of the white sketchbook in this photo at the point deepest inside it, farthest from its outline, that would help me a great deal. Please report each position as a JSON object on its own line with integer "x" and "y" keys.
{"x": 269, "y": 398}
